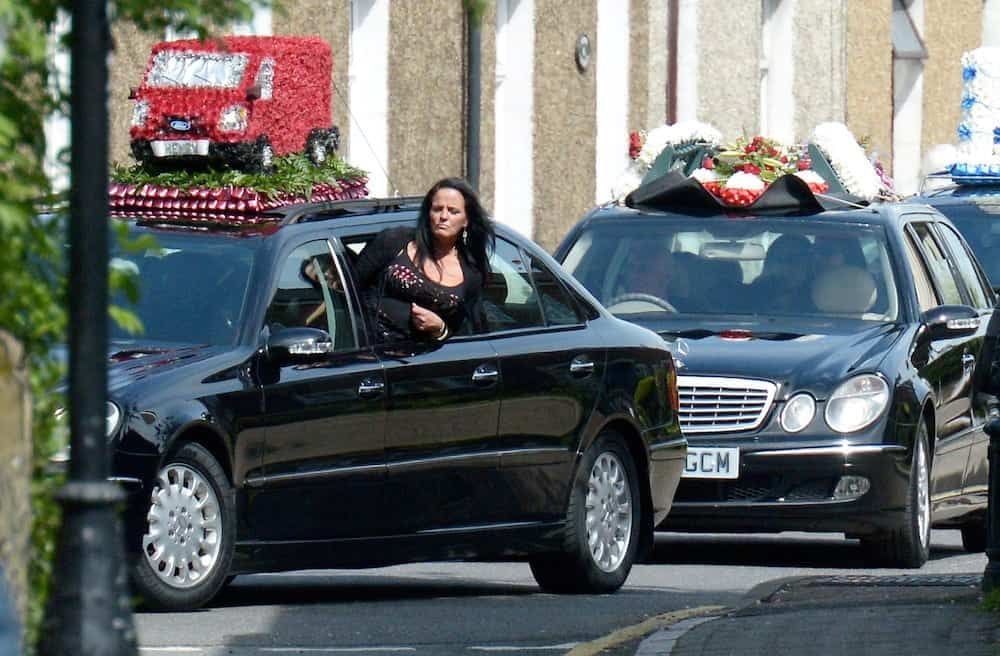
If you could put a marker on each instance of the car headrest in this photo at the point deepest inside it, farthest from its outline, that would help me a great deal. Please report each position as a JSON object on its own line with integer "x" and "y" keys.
{"x": 844, "y": 290}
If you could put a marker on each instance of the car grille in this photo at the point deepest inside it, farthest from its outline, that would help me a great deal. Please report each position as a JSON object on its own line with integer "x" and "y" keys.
{"x": 722, "y": 405}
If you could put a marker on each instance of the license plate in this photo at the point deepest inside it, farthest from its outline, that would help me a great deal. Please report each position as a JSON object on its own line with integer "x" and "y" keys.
{"x": 712, "y": 462}
{"x": 180, "y": 147}
{"x": 174, "y": 148}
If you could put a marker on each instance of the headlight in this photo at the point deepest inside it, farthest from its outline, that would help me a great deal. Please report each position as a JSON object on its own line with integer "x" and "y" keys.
{"x": 113, "y": 416}
{"x": 233, "y": 119}
{"x": 798, "y": 412}
{"x": 140, "y": 110}
{"x": 857, "y": 403}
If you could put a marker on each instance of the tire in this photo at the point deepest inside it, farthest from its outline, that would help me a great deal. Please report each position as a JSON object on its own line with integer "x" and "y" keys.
{"x": 908, "y": 546}
{"x": 190, "y": 476}
{"x": 974, "y": 536}
{"x": 605, "y": 497}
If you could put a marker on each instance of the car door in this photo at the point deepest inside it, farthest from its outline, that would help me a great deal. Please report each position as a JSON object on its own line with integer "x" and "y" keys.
{"x": 981, "y": 406}
{"x": 552, "y": 366}
{"x": 323, "y": 467}
{"x": 947, "y": 368}
{"x": 443, "y": 402}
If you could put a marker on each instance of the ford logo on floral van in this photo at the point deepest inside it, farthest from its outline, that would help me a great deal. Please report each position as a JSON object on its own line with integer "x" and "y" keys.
{"x": 240, "y": 101}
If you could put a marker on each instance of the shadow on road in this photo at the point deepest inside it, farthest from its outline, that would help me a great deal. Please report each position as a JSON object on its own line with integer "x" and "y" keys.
{"x": 353, "y": 588}
{"x": 769, "y": 551}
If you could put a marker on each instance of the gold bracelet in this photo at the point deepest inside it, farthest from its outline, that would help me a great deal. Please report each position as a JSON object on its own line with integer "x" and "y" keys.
{"x": 443, "y": 334}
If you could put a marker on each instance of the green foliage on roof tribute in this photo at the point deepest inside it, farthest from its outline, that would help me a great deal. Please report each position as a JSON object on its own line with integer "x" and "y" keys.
{"x": 293, "y": 173}
{"x": 32, "y": 270}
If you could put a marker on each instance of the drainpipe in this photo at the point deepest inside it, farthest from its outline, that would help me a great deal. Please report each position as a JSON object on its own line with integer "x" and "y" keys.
{"x": 473, "y": 79}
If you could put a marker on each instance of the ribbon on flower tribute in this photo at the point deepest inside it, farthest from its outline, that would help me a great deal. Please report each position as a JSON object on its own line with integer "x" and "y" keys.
{"x": 739, "y": 172}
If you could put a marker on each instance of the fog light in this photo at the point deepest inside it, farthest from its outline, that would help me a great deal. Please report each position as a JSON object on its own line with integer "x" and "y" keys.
{"x": 851, "y": 487}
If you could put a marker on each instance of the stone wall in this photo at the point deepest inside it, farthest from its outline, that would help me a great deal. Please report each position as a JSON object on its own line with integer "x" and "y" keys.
{"x": 869, "y": 73}
{"x": 15, "y": 469}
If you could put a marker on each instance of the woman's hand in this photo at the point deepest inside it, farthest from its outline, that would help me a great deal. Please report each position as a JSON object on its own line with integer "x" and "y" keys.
{"x": 427, "y": 321}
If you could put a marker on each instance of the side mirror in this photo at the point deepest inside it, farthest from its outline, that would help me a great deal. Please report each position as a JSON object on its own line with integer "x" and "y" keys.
{"x": 253, "y": 92}
{"x": 133, "y": 93}
{"x": 298, "y": 345}
{"x": 947, "y": 321}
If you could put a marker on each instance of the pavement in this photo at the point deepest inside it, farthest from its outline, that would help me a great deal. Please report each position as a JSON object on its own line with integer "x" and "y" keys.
{"x": 851, "y": 614}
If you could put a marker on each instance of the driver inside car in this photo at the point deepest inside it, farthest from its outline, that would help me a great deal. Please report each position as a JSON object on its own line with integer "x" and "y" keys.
{"x": 653, "y": 271}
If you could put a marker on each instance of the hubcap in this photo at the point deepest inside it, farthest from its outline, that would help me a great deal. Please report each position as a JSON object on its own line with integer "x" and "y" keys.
{"x": 184, "y": 527}
{"x": 609, "y": 512}
{"x": 923, "y": 495}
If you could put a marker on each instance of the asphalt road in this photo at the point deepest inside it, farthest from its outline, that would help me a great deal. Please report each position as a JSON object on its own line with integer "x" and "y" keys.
{"x": 480, "y": 608}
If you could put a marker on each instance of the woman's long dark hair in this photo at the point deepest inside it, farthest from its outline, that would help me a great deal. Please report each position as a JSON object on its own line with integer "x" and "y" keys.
{"x": 482, "y": 239}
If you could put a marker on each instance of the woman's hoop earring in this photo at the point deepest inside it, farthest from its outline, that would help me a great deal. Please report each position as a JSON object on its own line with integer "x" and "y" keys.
{"x": 465, "y": 237}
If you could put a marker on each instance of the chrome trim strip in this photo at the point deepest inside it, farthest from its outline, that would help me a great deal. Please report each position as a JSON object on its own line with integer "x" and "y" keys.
{"x": 125, "y": 480}
{"x": 482, "y": 527}
{"x": 533, "y": 451}
{"x": 760, "y": 504}
{"x": 330, "y": 472}
{"x": 845, "y": 450}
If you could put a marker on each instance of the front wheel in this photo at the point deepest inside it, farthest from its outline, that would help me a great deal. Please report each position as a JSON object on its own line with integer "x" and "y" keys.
{"x": 601, "y": 535}
{"x": 909, "y": 544}
{"x": 187, "y": 548}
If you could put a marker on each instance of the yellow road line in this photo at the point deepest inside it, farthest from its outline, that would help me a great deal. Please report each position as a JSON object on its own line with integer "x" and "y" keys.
{"x": 635, "y": 631}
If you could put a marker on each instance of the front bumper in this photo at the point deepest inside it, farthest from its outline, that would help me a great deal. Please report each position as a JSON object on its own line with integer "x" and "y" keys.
{"x": 791, "y": 489}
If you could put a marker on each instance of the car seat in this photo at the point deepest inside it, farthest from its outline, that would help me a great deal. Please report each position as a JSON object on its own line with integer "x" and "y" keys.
{"x": 846, "y": 291}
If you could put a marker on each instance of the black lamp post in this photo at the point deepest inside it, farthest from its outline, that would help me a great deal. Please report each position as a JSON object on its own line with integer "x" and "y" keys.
{"x": 88, "y": 611}
{"x": 991, "y": 577}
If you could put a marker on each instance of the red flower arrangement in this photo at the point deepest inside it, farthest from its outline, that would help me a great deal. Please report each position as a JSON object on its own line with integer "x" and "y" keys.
{"x": 219, "y": 205}
{"x": 235, "y": 90}
{"x": 636, "y": 139}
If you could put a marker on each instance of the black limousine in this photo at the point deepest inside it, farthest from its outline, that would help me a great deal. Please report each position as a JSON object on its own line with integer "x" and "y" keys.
{"x": 250, "y": 441}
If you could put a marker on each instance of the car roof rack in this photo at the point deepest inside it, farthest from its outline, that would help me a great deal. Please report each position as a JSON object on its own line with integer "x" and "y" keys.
{"x": 306, "y": 212}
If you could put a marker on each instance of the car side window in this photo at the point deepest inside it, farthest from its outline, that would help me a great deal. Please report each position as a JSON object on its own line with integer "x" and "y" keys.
{"x": 940, "y": 269}
{"x": 557, "y": 305}
{"x": 310, "y": 294}
{"x": 966, "y": 268}
{"x": 925, "y": 291}
{"x": 509, "y": 299}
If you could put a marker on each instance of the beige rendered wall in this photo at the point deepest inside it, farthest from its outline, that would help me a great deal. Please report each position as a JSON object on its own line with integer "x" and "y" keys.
{"x": 729, "y": 71}
{"x": 15, "y": 470}
{"x": 565, "y": 115}
{"x": 869, "y": 73}
{"x": 819, "y": 28}
{"x": 638, "y": 80}
{"x": 426, "y": 93}
{"x": 950, "y": 28}
{"x": 487, "y": 118}
{"x": 332, "y": 22}
{"x": 128, "y": 64}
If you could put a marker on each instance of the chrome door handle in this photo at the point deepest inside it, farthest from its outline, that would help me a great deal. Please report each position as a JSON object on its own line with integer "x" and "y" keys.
{"x": 485, "y": 373}
{"x": 581, "y": 366}
{"x": 968, "y": 361}
{"x": 369, "y": 389}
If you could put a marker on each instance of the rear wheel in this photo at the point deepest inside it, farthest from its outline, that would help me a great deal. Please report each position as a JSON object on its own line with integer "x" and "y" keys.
{"x": 909, "y": 544}
{"x": 187, "y": 548}
{"x": 601, "y": 535}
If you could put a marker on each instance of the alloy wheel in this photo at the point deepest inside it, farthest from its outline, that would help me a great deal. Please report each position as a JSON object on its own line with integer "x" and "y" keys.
{"x": 184, "y": 530}
{"x": 923, "y": 495}
{"x": 609, "y": 512}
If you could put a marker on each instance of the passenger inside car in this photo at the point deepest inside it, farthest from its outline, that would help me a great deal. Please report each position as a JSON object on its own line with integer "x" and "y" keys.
{"x": 784, "y": 283}
{"x": 653, "y": 270}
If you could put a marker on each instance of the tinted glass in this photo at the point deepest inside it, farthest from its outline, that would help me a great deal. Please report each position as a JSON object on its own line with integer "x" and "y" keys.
{"x": 925, "y": 290}
{"x": 310, "y": 295}
{"x": 509, "y": 300}
{"x": 966, "y": 268}
{"x": 557, "y": 305}
{"x": 979, "y": 223}
{"x": 192, "y": 288}
{"x": 940, "y": 269}
{"x": 659, "y": 269}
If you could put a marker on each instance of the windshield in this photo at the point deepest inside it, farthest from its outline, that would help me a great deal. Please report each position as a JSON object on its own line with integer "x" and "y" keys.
{"x": 192, "y": 289}
{"x": 662, "y": 269}
{"x": 196, "y": 69}
{"x": 979, "y": 222}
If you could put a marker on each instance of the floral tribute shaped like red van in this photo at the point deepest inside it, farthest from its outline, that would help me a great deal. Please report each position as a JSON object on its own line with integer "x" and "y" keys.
{"x": 239, "y": 100}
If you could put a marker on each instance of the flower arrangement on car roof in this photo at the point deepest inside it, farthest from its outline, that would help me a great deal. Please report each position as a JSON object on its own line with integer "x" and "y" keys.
{"x": 738, "y": 173}
{"x": 227, "y": 128}
{"x": 978, "y": 151}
